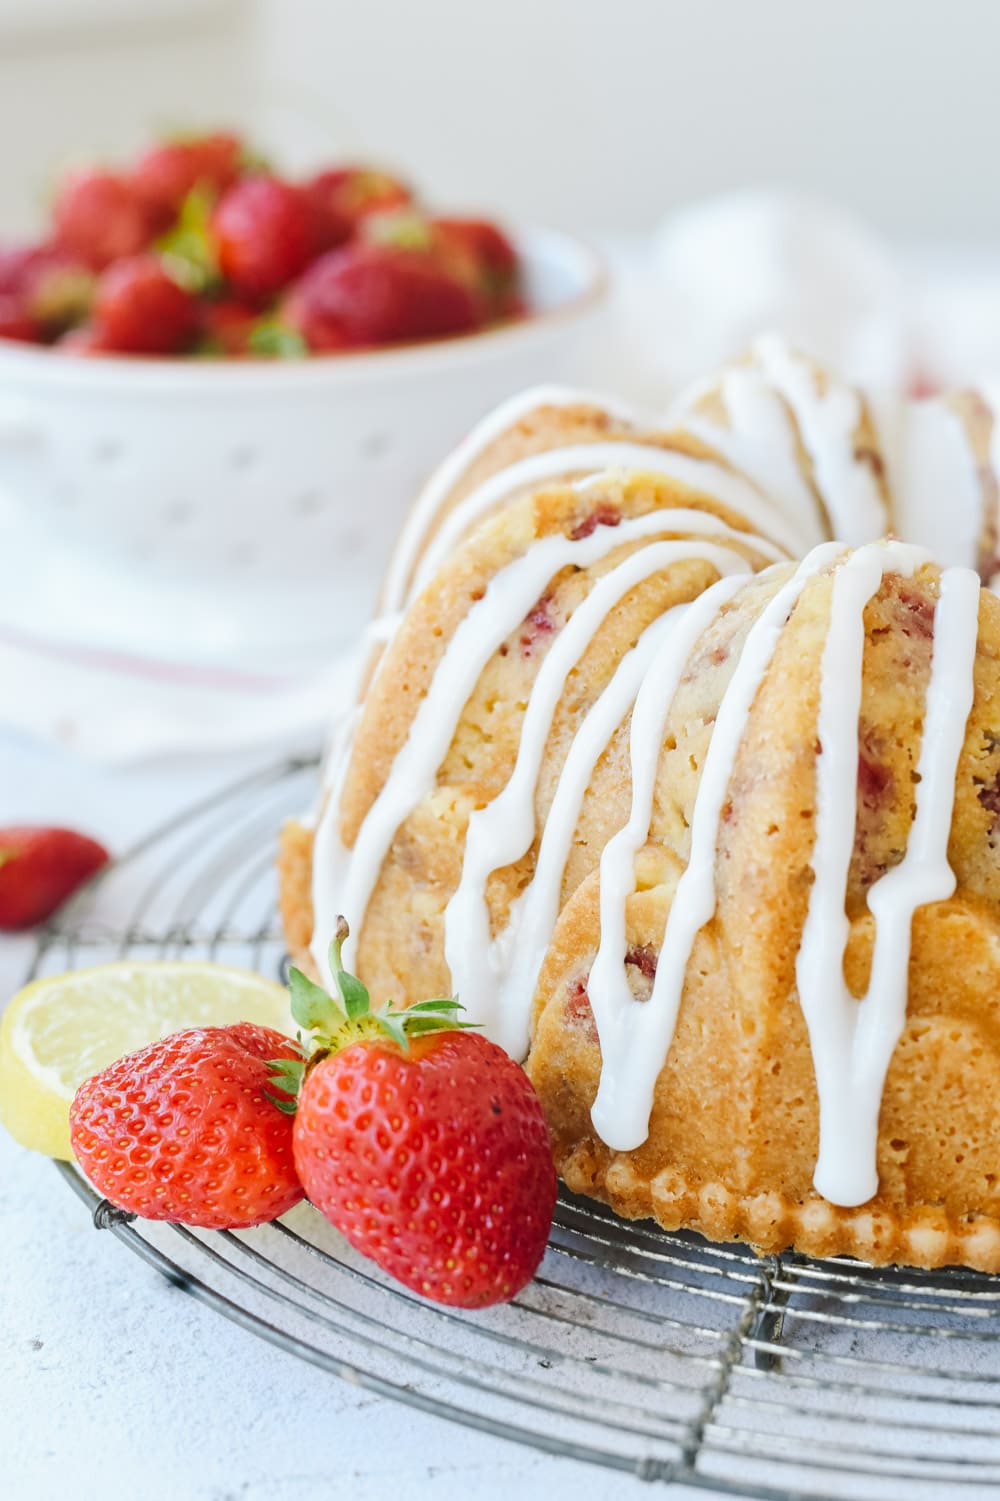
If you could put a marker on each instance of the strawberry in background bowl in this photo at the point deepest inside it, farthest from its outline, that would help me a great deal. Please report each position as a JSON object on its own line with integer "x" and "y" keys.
{"x": 221, "y": 388}
{"x": 137, "y": 261}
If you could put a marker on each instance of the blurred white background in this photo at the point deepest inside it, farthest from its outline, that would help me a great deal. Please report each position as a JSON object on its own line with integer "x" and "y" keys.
{"x": 596, "y": 114}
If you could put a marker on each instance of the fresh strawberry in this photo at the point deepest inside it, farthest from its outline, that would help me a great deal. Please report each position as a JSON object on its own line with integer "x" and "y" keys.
{"x": 264, "y": 235}
{"x": 14, "y": 321}
{"x": 54, "y": 286}
{"x": 99, "y": 217}
{"x": 486, "y": 248}
{"x": 167, "y": 173}
{"x": 423, "y": 1143}
{"x": 39, "y": 869}
{"x": 303, "y": 314}
{"x": 141, "y": 310}
{"x": 187, "y": 1129}
{"x": 342, "y": 197}
{"x": 86, "y": 339}
{"x": 381, "y": 294}
{"x": 227, "y": 327}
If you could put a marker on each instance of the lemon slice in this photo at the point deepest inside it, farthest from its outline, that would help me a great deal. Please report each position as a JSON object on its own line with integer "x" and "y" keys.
{"x": 58, "y": 1031}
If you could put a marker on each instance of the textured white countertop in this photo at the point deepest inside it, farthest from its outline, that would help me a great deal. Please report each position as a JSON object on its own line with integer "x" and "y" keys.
{"x": 113, "y": 1383}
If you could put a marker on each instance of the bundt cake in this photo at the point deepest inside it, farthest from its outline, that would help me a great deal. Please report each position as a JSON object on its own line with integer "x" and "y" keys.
{"x": 684, "y": 773}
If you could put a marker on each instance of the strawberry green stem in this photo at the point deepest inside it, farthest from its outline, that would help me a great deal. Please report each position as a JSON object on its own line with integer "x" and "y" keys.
{"x": 332, "y": 1022}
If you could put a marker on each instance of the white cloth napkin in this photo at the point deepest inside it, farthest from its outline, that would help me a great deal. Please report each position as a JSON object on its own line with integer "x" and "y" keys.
{"x": 116, "y": 708}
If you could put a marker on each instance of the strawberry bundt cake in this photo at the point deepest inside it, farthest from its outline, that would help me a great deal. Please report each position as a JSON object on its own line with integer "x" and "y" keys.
{"x": 684, "y": 773}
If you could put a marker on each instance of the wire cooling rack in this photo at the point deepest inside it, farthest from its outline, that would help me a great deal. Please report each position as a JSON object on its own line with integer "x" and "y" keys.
{"x": 660, "y": 1355}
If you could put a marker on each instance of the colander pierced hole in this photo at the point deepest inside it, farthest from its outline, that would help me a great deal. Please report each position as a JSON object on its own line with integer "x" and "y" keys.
{"x": 376, "y": 445}
{"x": 108, "y": 451}
{"x": 310, "y": 502}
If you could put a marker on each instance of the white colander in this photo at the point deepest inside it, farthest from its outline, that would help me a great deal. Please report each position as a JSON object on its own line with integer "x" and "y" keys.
{"x": 208, "y": 506}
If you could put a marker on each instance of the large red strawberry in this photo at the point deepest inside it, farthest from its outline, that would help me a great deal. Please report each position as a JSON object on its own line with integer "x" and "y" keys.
{"x": 166, "y": 173}
{"x": 39, "y": 869}
{"x": 139, "y": 309}
{"x": 370, "y": 294}
{"x": 99, "y": 217}
{"x": 264, "y": 234}
{"x": 423, "y": 1143}
{"x": 188, "y": 1129}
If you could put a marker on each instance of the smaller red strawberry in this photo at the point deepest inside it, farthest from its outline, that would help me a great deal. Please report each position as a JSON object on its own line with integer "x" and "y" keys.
{"x": 99, "y": 217}
{"x": 14, "y": 321}
{"x": 485, "y": 246}
{"x": 54, "y": 286}
{"x": 422, "y": 1142}
{"x": 264, "y": 235}
{"x": 40, "y": 869}
{"x": 227, "y": 327}
{"x": 370, "y": 294}
{"x": 166, "y": 173}
{"x": 343, "y": 197}
{"x": 87, "y": 339}
{"x": 139, "y": 309}
{"x": 187, "y": 1130}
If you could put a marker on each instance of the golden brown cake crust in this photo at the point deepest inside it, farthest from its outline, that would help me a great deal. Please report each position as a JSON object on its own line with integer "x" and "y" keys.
{"x": 401, "y": 933}
{"x": 734, "y": 1132}
{"x": 295, "y": 904}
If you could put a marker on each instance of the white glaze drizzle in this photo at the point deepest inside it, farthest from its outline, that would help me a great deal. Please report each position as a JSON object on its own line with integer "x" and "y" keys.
{"x": 853, "y": 1041}
{"x": 827, "y": 423}
{"x": 504, "y": 830}
{"x": 509, "y": 596}
{"x": 759, "y": 441}
{"x": 635, "y": 1036}
{"x": 522, "y": 946}
{"x": 701, "y": 475}
{"x": 449, "y": 473}
{"x": 937, "y": 493}
{"x": 991, "y": 396}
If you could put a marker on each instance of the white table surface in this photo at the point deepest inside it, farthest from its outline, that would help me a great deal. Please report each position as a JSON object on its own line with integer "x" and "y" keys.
{"x": 113, "y": 1384}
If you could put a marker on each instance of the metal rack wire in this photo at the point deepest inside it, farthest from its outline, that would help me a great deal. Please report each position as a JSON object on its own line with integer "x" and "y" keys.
{"x": 660, "y": 1355}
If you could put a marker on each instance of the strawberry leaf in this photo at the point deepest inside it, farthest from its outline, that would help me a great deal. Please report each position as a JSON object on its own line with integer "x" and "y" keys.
{"x": 276, "y": 340}
{"x": 287, "y": 1073}
{"x": 187, "y": 249}
{"x": 357, "y": 1001}
{"x": 287, "y": 1107}
{"x": 391, "y": 1023}
{"x": 312, "y": 1007}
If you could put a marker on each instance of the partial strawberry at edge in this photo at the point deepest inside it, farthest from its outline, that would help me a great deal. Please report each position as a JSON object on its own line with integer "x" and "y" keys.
{"x": 40, "y": 869}
{"x": 14, "y": 321}
{"x": 54, "y": 287}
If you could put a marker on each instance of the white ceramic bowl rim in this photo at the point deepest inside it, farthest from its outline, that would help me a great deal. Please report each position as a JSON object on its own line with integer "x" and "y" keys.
{"x": 47, "y": 365}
